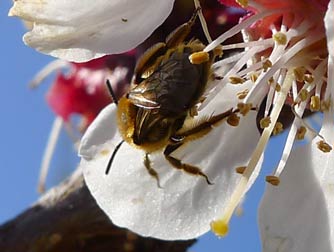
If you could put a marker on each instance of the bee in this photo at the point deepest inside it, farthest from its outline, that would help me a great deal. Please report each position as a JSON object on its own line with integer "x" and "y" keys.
{"x": 165, "y": 92}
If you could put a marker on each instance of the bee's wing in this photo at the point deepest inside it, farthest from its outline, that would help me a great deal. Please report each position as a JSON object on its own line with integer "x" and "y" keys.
{"x": 144, "y": 95}
{"x": 147, "y": 94}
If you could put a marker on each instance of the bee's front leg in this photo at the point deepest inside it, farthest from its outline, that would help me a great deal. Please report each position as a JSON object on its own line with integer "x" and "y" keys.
{"x": 176, "y": 163}
{"x": 151, "y": 171}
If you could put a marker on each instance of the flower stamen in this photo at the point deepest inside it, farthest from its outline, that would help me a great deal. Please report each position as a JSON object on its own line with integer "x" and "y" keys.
{"x": 265, "y": 122}
{"x": 323, "y": 146}
{"x": 233, "y": 120}
{"x": 240, "y": 189}
{"x": 300, "y": 135}
{"x": 273, "y": 180}
{"x": 315, "y": 103}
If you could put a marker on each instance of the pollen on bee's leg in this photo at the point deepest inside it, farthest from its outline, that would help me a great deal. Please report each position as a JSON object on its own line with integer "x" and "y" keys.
{"x": 199, "y": 57}
{"x": 274, "y": 180}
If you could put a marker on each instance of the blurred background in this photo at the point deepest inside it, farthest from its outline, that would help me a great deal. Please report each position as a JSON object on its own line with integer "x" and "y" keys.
{"x": 26, "y": 121}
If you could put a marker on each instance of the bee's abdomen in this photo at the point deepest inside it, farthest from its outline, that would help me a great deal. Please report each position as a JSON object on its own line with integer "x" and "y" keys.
{"x": 181, "y": 83}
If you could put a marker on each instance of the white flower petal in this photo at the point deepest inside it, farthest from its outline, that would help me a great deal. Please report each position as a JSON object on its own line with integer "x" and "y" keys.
{"x": 329, "y": 24}
{"x": 298, "y": 215}
{"x": 82, "y": 30}
{"x": 185, "y": 205}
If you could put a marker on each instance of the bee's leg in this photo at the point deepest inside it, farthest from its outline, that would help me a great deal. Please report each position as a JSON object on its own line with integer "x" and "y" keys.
{"x": 183, "y": 166}
{"x": 177, "y": 36}
{"x": 203, "y": 127}
{"x": 151, "y": 171}
{"x": 198, "y": 130}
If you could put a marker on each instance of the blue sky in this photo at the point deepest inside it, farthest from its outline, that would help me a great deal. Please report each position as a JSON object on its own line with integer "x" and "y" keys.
{"x": 26, "y": 122}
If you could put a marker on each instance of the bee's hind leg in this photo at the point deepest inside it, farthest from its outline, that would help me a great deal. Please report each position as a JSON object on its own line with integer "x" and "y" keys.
{"x": 151, "y": 171}
{"x": 176, "y": 163}
{"x": 200, "y": 129}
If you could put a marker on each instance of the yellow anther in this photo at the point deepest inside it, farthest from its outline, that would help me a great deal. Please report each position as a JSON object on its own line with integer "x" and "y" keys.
{"x": 265, "y": 122}
{"x": 270, "y": 81}
{"x": 218, "y": 51}
{"x": 220, "y": 227}
{"x": 273, "y": 180}
{"x": 236, "y": 80}
{"x": 253, "y": 77}
{"x": 309, "y": 78}
{"x": 301, "y": 133}
{"x": 323, "y": 146}
{"x": 244, "y": 108}
{"x": 240, "y": 169}
{"x": 242, "y": 3}
{"x": 315, "y": 103}
{"x": 299, "y": 73}
{"x": 242, "y": 94}
{"x": 280, "y": 38}
{"x": 278, "y": 128}
{"x": 278, "y": 87}
{"x": 303, "y": 94}
{"x": 266, "y": 65}
{"x": 233, "y": 120}
{"x": 199, "y": 57}
{"x": 325, "y": 105}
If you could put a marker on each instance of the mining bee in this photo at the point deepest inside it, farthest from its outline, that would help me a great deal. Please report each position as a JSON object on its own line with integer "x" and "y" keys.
{"x": 165, "y": 92}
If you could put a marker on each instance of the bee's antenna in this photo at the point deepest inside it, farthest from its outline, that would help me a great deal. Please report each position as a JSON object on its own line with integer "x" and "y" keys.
{"x": 111, "y": 92}
{"x": 113, "y": 155}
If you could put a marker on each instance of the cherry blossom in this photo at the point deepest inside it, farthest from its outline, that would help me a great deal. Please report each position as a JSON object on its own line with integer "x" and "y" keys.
{"x": 286, "y": 58}
{"x": 298, "y": 215}
{"x": 83, "y": 30}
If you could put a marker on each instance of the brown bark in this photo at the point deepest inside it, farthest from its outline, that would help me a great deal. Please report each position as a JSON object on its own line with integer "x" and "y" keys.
{"x": 67, "y": 219}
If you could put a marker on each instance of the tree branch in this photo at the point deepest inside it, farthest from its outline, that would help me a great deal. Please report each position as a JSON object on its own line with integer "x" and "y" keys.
{"x": 67, "y": 219}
